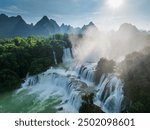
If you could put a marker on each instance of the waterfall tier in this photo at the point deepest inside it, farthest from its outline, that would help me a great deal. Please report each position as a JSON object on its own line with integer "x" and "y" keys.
{"x": 67, "y": 89}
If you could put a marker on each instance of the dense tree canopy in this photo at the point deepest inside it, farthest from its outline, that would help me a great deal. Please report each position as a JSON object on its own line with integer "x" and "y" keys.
{"x": 135, "y": 70}
{"x": 33, "y": 55}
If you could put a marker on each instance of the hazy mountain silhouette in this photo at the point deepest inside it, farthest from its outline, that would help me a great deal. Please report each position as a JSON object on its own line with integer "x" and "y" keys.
{"x": 13, "y": 26}
{"x": 46, "y": 26}
{"x": 69, "y": 29}
{"x": 16, "y": 26}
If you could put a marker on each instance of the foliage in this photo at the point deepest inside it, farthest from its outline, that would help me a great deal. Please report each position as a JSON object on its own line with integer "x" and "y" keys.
{"x": 39, "y": 65}
{"x": 9, "y": 80}
{"x": 31, "y": 54}
{"x": 135, "y": 70}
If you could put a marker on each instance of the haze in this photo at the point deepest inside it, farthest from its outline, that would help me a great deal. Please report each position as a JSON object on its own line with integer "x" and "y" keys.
{"x": 80, "y": 12}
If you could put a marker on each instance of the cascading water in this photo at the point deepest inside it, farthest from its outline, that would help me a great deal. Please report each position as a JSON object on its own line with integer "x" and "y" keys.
{"x": 55, "y": 60}
{"x": 109, "y": 94}
{"x": 61, "y": 90}
{"x": 52, "y": 83}
{"x": 67, "y": 57}
{"x": 86, "y": 71}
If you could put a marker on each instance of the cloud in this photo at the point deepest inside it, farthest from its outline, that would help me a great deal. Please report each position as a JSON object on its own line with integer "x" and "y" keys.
{"x": 13, "y": 10}
{"x": 79, "y": 12}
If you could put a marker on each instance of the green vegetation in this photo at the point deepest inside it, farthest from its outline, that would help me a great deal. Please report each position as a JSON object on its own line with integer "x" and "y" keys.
{"x": 10, "y": 79}
{"x": 39, "y": 65}
{"x": 33, "y": 55}
{"x": 135, "y": 70}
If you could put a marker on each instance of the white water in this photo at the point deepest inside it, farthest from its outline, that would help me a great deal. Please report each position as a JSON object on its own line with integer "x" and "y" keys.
{"x": 69, "y": 85}
{"x": 86, "y": 71}
{"x": 109, "y": 94}
{"x": 67, "y": 57}
{"x": 55, "y": 60}
{"x": 53, "y": 83}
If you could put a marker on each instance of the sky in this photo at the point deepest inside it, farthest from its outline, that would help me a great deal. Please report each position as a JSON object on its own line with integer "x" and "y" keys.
{"x": 80, "y": 12}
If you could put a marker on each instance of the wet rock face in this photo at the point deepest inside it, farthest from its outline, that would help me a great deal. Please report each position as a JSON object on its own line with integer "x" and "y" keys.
{"x": 87, "y": 105}
{"x": 90, "y": 108}
{"x": 103, "y": 66}
{"x": 88, "y": 98}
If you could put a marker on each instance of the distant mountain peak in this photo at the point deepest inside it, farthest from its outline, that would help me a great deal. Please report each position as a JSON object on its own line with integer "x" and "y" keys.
{"x": 19, "y": 17}
{"x": 42, "y": 21}
{"x": 91, "y": 24}
{"x": 88, "y": 26}
{"x": 16, "y": 26}
{"x": 128, "y": 27}
{"x": 45, "y": 18}
{"x": 46, "y": 26}
{"x": 3, "y": 15}
{"x": 53, "y": 21}
{"x": 62, "y": 25}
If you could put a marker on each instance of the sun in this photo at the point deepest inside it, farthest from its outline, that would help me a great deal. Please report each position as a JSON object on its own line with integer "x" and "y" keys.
{"x": 114, "y": 4}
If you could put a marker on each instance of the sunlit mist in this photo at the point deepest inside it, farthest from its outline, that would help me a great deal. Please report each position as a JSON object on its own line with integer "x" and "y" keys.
{"x": 114, "y": 4}
{"x": 114, "y": 45}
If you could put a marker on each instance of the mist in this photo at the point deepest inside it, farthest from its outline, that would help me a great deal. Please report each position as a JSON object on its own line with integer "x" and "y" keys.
{"x": 94, "y": 44}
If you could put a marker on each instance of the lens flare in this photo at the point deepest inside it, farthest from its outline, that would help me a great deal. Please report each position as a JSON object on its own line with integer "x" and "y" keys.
{"x": 114, "y": 4}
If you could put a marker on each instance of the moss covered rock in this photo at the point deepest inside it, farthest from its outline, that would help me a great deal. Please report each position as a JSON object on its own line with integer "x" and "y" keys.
{"x": 87, "y": 105}
{"x": 103, "y": 66}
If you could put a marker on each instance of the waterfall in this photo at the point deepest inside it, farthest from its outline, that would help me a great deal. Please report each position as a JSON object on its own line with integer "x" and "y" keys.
{"x": 63, "y": 89}
{"x": 30, "y": 81}
{"x": 87, "y": 71}
{"x": 72, "y": 84}
{"x": 55, "y": 60}
{"x": 67, "y": 57}
{"x": 55, "y": 82}
{"x": 109, "y": 94}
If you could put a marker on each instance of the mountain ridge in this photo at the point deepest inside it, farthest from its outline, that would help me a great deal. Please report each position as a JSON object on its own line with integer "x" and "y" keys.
{"x": 16, "y": 26}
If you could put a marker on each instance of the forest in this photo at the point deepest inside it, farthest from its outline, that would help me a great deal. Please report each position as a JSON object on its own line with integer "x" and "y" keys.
{"x": 20, "y": 56}
{"x": 135, "y": 71}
